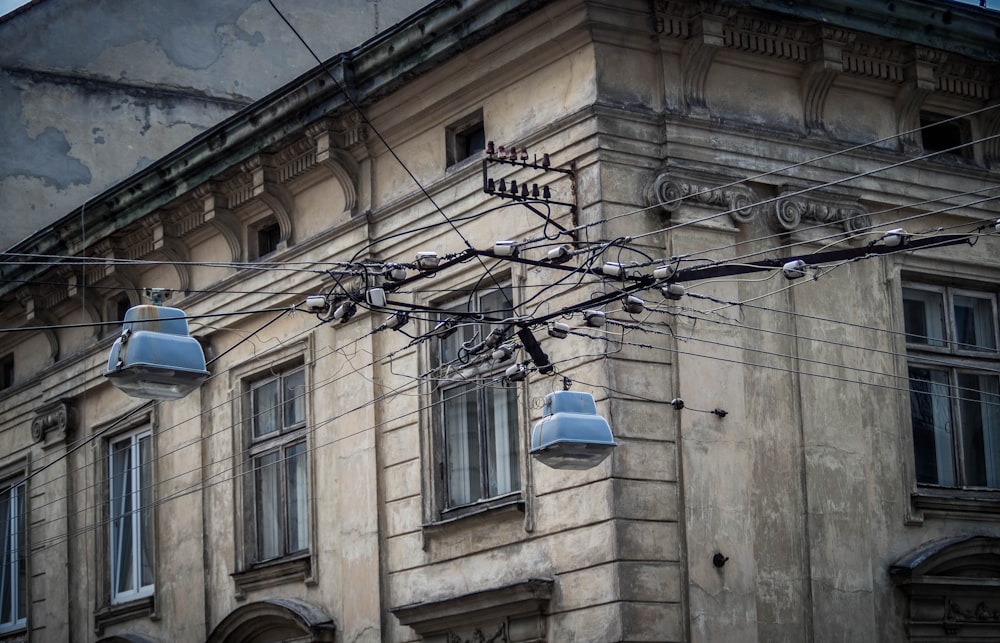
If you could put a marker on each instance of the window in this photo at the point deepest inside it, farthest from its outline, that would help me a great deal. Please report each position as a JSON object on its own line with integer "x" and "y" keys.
{"x": 939, "y": 133}
{"x": 116, "y": 308}
{"x": 13, "y": 574}
{"x": 476, "y": 419}
{"x": 268, "y": 238}
{"x": 131, "y": 516}
{"x": 953, "y": 361}
{"x": 278, "y": 465}
{"x": 7, "y": 371}
{"x": 466, "y": 138}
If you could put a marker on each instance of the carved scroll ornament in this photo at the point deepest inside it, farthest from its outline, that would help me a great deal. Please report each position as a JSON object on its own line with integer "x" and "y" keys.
{"x": 670, "y": 192}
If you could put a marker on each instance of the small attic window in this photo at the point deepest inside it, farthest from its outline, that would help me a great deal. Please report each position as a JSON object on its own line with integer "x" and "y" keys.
{"x": 939, "y": 134}
{"x": 268, "y": 237}
{"x": 7, "y": 371}
{"x": 117, "y": 306}
{"x": 465, "y": 138}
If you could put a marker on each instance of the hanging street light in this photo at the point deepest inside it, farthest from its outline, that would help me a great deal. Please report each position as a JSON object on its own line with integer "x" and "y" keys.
{"x": 571, "y": 435}
{"x": 155, "y": 357}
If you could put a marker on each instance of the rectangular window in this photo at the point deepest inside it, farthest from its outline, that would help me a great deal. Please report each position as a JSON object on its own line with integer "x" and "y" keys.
{"x": 940, "y": 132}
{"x": 131, "y": 517}
{"x": 466, "y": 138}
{"x": 477, "y": 420}
{"x": 6, "y": 371}
{"x": 954, "y": 371}
{"x": 13, "y": 574}
{"x": 279, "y": 465}
{"x": 268, "y": 238}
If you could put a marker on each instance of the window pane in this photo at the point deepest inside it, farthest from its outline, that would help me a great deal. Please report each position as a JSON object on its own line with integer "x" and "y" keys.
{"x": 461, "y": 430}
{"x": 295, "y": 398}
{"x": 20, "y": 573}
{"x": 980, "y": 408}
{"x": 145, "y": 515}
{"x": 298, "y": 500}
{"x": 122, "y": 572}
{"x": 930, "y": 410}
{"x": 923, "y": 314}
{"x": 974, "y": 326}
{"x": 12, "y": 594}
{"x": 268, "y": 498}
{"x": 451, "y": 346}
{"x": 265, "y": 408}
{"x": 502, "y": 437}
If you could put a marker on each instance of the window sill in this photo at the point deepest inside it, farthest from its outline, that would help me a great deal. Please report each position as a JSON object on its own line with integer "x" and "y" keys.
{"x": 492, "y": 508}
{"x": 271, "y": 573}
{"x": 121, "y": 612}
{"x": 979, "y": 504}
{"x": 14, "y": 633}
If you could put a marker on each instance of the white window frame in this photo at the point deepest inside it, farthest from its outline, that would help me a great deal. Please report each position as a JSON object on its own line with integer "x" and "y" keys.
{"x": 954, "y": 360}
{"x": 13, "y": 573}
{"x": 132, "y": 519}
{"x": 285, "y": 437}
{"x": 509, "y": 484}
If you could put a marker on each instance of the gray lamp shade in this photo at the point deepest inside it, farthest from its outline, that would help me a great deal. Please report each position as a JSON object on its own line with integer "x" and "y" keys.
{"x": 571, "y": 435}
{"x": 155, "y": 357}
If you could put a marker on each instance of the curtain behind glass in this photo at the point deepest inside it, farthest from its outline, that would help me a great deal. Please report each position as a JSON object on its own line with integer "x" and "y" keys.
{"x": 502, "y": 434}
{"x": 8, "y": 572}
{"x": 268, "y": 491}
{"x": 122, "y": 572}
{"x": 298, "y": 501}
{"x": 974, "y": 328}
{"x": 462, "y": 445}
{"x": 980, "y": 429}
{"x": 265, "y": 408}
{"x": 923, "y": 317}
{"x": 930, "y": 411}
{"x": 145, "y": 511}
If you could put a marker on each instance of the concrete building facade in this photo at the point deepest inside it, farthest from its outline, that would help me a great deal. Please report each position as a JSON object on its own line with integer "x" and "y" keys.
{"x": 763, "y": 238}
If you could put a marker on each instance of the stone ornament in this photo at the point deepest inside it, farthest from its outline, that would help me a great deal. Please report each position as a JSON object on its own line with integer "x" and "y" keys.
{"x": 58, "y": 416}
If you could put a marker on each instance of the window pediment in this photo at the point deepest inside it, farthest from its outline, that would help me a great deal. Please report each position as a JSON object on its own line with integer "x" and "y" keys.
{"x": 518, "y": 606}
{"x": 953, "y": 588}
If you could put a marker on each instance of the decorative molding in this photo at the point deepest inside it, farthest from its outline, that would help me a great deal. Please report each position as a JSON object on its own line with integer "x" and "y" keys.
{"x": 707, "y": 37}
{"x": 120, "y": 613}
{"x": 295, "y": 160}
{"x": 827, "y": 57}
{"x": 58, "y": 418}
{"x": 478, "y": 636}
{"x": 519, "y": 608}
{"x": 266, "y": 186}
{"x": 991, "y": 150}
{"x": 773, "y": 39}
{"x": 271, "y": 574}
{"x": 215, "y": 211}
{"x": 330, "y": 143}
{"x": 669, "y": 191}
{"x": 814, "y": 207}
{"x": 952, "y": 588}
{"x": 966, "y": 80}
{"x": 875, "y": 60}
{"x": 920, "y": 80}
{"x": 274, "y": 618}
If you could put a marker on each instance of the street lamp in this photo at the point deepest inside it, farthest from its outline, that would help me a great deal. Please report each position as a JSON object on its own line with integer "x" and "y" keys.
{"x": 571, "y": 435}
{"x": 155, "y": 357}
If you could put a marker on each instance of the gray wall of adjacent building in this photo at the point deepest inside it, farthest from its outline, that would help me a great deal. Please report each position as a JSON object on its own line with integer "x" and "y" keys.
{"x": 90, "y": 95}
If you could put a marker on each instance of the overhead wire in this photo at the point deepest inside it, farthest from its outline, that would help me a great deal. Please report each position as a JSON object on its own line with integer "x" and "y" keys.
{"x": 593, "y": 258}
